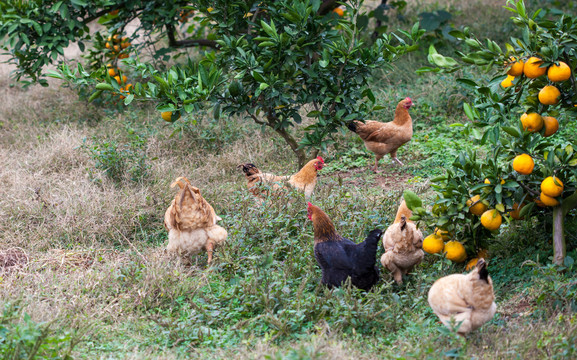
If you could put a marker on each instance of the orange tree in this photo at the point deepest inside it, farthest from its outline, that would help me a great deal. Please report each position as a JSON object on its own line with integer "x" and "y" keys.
{"x": 273, "y": 62}
{"x": 529, "y": 168}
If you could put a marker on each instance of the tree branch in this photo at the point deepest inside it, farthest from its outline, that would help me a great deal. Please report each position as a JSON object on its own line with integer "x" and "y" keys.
{"x": 172, "y": 42}
{"x": 533, "y": 192}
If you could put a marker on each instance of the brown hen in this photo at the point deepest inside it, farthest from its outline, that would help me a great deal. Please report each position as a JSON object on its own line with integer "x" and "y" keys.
{"x": 259, "y": 183}
{"x": 386, "y": 138}
{"x": 403, "y": 244}
{"x": 464, "y": 302}
{"x": 191, "y": 223}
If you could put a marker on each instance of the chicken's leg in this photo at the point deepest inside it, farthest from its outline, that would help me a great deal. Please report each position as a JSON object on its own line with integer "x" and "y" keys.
{"x": 209, "y": 250}
{"x": 376, "y": 167}
{"x": 394, "y": 157}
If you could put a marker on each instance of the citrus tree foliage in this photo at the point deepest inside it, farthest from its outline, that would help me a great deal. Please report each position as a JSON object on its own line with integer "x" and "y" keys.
{"x": 271, "y": 61}
{"x": 35, "y": 32}
{"x": 495, "y": 113}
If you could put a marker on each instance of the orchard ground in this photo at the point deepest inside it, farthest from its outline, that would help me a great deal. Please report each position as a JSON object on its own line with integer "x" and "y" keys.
{"x": 85, "y": 186}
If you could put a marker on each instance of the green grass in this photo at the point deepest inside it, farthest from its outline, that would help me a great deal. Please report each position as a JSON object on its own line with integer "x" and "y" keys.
{"x": 92, "y": 276}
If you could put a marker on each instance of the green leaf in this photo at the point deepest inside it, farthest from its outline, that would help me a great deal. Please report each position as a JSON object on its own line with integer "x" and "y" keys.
{"x": 412, "y": 200}
{"x": 511, "y": 131}
{"x": 526, "y": 209}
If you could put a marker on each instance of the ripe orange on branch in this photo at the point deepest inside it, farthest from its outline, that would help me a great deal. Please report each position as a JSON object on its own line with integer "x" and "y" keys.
{"x": 516, "y": 212}
{"x": 523, "y": 164}
{"x": 532, "y": 122}
{"x": 167, "y": 116}
{"x": 339, "y": 11}
{"x": 559, "y": 72}
{"x": 433, "y": 244}
{"x": 491, "y": 219}
{"x": 516, "y": 68}
{"x": 508, "y": 81}
{"x": 552, "y": 186}
{"x": 551, "y": 125}
{"x": 479, "y": 208}
{"x": 455, "y": 251}
{"x": 548, "y": 200}
{"x": 532, "y": 68}
{"x": 549, "y": 95}
{"x": 471, "y": 264}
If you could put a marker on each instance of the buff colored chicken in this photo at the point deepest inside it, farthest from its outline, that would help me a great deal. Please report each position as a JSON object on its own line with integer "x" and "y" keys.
{"x": 386, "y": 138}
{"x": 403, "y": 244}
{"x": 191, "y": 223}
{"x": 464, "y": 302}
{"x": 305, "y": 180}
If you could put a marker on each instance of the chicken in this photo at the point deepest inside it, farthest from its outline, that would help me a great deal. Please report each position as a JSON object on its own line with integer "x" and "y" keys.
{"x": 403, "y": 244}
{"x": 191, "y": 223}
{"x": 464, "y": 302}
{"x": 304, "y": 180}
{"x": 340, "y": 258}
{"x": 386, "y": 138}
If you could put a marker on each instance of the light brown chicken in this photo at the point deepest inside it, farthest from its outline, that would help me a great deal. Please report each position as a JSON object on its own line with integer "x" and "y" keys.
{"x": 386, "y": 138}
{"x": 464, "y": 302}
{"x": 260, "y": 183}
{"x": 191, "y": 223}
{"x": 403, "y": 244}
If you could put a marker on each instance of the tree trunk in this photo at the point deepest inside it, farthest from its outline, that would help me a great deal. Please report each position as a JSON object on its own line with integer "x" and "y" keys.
{"x": 559, "y": 248}
{"x": 299, "y": 152}
{"x": 559, "y": 213}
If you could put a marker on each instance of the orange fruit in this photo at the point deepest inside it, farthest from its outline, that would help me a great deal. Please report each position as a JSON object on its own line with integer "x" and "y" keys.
{"x": 455, "y": 251}
{"x": 508, "y": 81}
{"x": 113, "y": 12}
{"x": 549, "y": 95}
{"x": 516, "y": 68}
{"x": 125, "y": 44}
{"x": 479, "y": 208}
{"x": 523, "y": 164}
{"x": 515, "y": 213}
{"x": 339, "y": 11}
{"x": 559, "y": 72}
{"x": 532, "y": 122}
{"x": 167, "y": 116}
{"x": 111, "y": 72}
{"x": 491, "y": 219}
{"x": 548, "y": 200}
{"x": 210, "y": 9}
{"x": 471, "y": 264}
{"x": 531, "y": 68}
{"x": 116, "y": 38}
{"x": 552, "y": 186}
{"x": 119, "y": 81}
{"x": 128, "y": 87}
{"x": 551, "y": 125}
{"x": 108, "y": 46}
{"x": 116, "y": 48}
{"x": 122, "y": 56}
{"x": 487, "y": 181}
{"x": 433, "y": 244}
{"x": 444, "y": 234}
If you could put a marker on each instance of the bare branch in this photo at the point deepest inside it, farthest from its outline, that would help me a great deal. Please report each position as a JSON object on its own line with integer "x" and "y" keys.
{"x": 172, "y": 42}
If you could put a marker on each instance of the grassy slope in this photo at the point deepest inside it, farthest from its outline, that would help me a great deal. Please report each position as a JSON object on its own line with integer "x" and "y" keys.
{"x": 91, "y": 264}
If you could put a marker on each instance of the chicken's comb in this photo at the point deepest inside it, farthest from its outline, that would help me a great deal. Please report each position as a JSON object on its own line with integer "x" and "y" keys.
{"x": 321, "y": 160}
{"x": 309, "y": 204}
{"x": 408, "y": 98}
